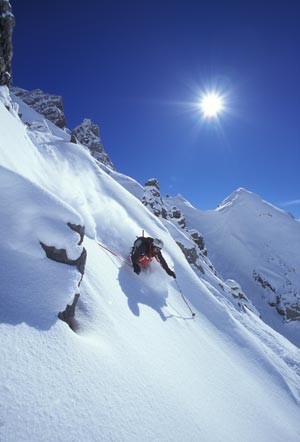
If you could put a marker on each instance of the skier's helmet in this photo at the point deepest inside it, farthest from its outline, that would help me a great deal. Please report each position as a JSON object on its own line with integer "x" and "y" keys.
{"x": 158, "y": 243}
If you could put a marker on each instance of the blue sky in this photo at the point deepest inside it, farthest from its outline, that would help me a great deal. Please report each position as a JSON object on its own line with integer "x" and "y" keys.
{"x": 137, "y": 69}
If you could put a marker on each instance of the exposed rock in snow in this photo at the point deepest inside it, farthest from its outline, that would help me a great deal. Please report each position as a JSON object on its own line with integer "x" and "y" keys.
{"x": 7, "y": 23}
{"x": 50, "y": 106}
{"x": 60, "y": 255}
{"x": 153, "y": 200}
{"x": 88, "y": 134}
{"x": 199, "y": 240}
{"x": 68, "y": 315}
{"x": 79, "y": 229}
{"x": 191, "y": 255}
{"x": 237, "y": 293}
{"x": 177, "y": 214}
{"x": 285, "y": 298}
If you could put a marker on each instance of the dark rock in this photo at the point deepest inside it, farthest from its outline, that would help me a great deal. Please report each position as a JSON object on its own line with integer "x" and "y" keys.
{"x": 88, "y": 134}
{"x": 282, "y": 303}
{"x": 60, "y": 255}
{"x": 49, "y": 105}
{"x": 177, "y": 214}
{"x": 79, "y": 229}
{"x": 292, "y": 313}
{"x": 153, "y": 200}
{"x": 199, "y": 240}
{"x": 235, "y": 290}
{"x": 81, "y": 261}
{"x": 7, "y": 23}
{"x": 263, "y": 282}
{"x": 73, "y": 139}
{"x": 152, "y": 182}
{"x": 68, "y": 315}
{"x": 191, "y": 255}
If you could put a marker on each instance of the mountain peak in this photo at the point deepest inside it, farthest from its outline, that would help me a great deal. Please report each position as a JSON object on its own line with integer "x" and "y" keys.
{"x": 88, "y": 134}
{"x": 239, "y": 195}
{"x": 49, "y": 105}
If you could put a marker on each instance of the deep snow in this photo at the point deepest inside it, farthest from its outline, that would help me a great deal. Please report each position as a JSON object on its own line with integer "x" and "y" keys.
{"x": 138, "y": 368}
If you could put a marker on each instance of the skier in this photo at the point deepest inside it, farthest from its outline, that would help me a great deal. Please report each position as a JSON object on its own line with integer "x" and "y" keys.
{"x": 144, "y": 250}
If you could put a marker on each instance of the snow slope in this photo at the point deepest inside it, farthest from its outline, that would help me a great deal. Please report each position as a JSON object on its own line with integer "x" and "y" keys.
{"x": 256, "y": 244}
{"x": 138, "y": 368}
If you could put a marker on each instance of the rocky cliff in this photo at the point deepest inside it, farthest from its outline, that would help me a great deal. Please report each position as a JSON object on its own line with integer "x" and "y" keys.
{"x": 7, "y": 23}
{"x": 153, "y": 200}
{"x": 88, "y": 134}
{"x": 49, "y": 105}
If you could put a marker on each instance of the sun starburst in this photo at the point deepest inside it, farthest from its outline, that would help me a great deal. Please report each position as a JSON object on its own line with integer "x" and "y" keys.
{"x": 211, "y": 104}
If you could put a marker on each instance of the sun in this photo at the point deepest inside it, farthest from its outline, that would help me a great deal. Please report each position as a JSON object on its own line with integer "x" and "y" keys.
{"x": 211, "y": 104}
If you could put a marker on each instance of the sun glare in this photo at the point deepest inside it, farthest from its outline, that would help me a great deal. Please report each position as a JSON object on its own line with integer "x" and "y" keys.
{"x": 211, "y": 105}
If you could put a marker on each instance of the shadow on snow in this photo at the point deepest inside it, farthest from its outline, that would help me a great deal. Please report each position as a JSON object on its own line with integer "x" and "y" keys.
{"x": 149, "y": 288}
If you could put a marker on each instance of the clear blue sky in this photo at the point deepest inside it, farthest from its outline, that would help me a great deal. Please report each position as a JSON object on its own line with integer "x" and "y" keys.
{"x": 136, "y": 68}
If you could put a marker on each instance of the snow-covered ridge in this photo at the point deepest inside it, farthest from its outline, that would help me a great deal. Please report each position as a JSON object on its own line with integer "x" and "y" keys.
{"x": 192, "y": 244}
{"x": 243, "y": 196}
{"x": 255, "y": 243}
{"x": 216, "y": 377}
{"x": 271, "y": 282}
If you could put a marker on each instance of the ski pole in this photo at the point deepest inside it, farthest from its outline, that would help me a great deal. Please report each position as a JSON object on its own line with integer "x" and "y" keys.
{"x": 193, "y": 314}
{"x": 113, "y": 253}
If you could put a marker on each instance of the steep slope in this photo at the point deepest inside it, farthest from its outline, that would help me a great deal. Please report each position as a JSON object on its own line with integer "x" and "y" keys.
{"x": 138, "y": 368}
{"x": 257, "y": 244}
{"x": 192, "y": 244}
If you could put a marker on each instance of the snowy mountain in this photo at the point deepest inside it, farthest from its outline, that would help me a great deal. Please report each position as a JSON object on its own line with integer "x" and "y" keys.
{"x": 256, "y": 244}
{"x": 192, "y": 244}
{"x": 138, "y": 366}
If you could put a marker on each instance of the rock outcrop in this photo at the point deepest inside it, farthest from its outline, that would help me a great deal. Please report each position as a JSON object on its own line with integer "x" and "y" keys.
{"x": 198, "y": 240}
{"x": 195, "y": 253}
{"x": 153, "y": 200}
{"x": 284, "y": 297}
{"x": 7, "y": 23}
{"x": 178, "y": 216}
{"x": 60, "y": 255}
{"x": 192, "y": 256}
{"x": 49, "y": 105}
{"x": 88, "y": 134}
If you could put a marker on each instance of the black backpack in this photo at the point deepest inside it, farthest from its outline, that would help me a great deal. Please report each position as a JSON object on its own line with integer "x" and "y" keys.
{"x": 137, "y": 243}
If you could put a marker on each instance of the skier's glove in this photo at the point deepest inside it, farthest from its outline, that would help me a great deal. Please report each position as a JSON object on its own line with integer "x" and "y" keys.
{"x": 171, "y": 273}
{"x": 136, "y": 269}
